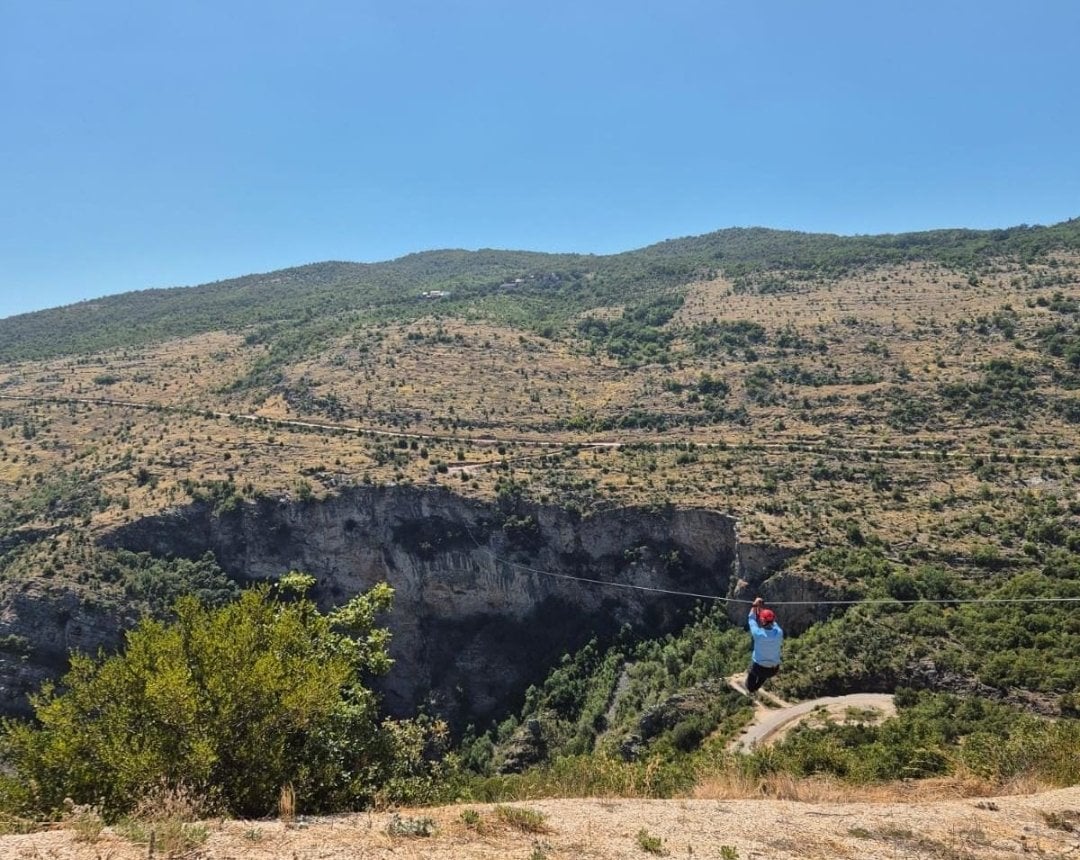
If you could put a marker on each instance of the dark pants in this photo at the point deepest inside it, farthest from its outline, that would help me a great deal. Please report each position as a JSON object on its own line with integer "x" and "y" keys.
{"x": 758, "y": 675}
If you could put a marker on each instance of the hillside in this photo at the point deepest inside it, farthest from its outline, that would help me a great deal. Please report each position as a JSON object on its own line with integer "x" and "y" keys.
{"x": 551, "y": 286}
{"x": 510, "y": 438}
{"x": 822, "y": 365}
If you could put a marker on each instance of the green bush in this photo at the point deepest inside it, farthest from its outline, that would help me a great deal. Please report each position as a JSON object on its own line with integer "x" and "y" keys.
{"x": 649, "y": 843}
{"x": 157, "y": 583}
{"x": 236, "y": 702}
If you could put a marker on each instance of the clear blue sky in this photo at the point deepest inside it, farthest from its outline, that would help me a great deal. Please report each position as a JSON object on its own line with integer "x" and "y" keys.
{"x": 149, "y": 144}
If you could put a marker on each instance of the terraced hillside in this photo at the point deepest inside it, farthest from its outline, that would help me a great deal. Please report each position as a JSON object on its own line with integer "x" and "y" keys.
{"x": 814, "y": 385}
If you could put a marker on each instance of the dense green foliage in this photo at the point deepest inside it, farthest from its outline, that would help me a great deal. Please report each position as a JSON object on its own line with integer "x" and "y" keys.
{"x": 118, "y": 582}
{"x": 157, "y": 583}
{"x": 638, "y": 336}
{"x": 594, "y": 700}
{"x": 743, "y": 250}
{"x": 1005, "y": 646}
{"x": 729, "y": 336}
{"x": 1004, "y": 389}
{"x": 932, "y": 735}
{"x": 234, "y": 703}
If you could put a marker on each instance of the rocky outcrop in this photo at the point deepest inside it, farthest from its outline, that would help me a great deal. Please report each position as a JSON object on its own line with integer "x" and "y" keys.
{"x": 18, "y": 537}
{"x": 927, "y": 675}
{"x": 798, "y": 600}
{"x": 484, "y": 599}
{"x": 527, "y": 746}
{"x": 41, "y": 624}
{"x": 697, "y": 701}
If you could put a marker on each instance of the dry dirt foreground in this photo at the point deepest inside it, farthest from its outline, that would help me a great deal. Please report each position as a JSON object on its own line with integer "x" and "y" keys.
{"x": 1004, "y": 827}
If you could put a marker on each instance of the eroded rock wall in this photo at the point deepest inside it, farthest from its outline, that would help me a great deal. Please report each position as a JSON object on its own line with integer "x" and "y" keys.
{"x": 473, "y": 621}
{"x": 485, "y": 600}
{"x": 41, "y": 623}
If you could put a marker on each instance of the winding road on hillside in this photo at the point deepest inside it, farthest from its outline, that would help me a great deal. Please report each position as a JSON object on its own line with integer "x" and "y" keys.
{"x": 773, "y": 716}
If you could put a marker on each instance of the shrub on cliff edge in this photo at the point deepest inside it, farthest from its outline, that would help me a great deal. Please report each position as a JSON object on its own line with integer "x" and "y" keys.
{"x": 234, "y": 702}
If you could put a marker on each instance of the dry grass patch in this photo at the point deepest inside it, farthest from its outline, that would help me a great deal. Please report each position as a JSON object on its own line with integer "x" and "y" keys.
{"x": 287, "y": 804}
{"x": 736, "y": 786}
{"x": 525, "y": 820}
{"x": 1067, "y": 820}
{"x": 84, "y": 820}
{"x": 168, "y": 820}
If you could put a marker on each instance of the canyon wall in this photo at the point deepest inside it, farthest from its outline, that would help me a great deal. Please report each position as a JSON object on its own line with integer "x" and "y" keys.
{"x": 483, "y": 604}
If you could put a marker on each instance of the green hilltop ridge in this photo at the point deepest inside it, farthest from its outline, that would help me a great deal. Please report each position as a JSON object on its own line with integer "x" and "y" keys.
{"x": 312, "y": 295}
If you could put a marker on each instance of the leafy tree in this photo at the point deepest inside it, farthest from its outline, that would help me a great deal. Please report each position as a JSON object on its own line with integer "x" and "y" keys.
{"x": 235, "y": 702}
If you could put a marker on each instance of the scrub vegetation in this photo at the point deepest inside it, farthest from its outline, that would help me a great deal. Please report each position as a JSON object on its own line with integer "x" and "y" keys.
{"x": 901, "y": 413}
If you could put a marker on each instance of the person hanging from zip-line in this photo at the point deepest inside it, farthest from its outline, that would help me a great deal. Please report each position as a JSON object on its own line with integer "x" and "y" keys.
{"x": 767, "y": 638}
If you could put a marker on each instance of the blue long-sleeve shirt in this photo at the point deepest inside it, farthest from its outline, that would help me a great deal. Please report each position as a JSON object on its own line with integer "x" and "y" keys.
{"x": 767, "y": 642}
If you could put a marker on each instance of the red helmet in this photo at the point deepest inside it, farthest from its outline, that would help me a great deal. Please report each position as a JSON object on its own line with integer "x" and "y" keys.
{"x": 766, "y": 616}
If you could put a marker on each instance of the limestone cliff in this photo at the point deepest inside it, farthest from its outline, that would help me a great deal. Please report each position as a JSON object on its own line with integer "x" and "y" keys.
{"x": 41, "y": 623}
{"x": 482, "y": 606}
{"x": 473, "y": 623}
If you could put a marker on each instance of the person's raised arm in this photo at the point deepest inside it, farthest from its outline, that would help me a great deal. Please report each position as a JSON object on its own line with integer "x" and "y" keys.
{"x": 753, "y": 619}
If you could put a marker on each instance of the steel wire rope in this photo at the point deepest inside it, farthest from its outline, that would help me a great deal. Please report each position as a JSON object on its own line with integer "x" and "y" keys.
{"x": 884, "y": 601}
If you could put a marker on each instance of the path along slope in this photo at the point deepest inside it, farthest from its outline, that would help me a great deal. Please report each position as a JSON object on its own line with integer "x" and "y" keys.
{"x": 770, "y": 725}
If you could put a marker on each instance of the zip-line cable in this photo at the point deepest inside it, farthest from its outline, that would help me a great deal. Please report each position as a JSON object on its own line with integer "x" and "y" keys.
{"x": 627, "y": 585}
{"x": 719, "y": 599}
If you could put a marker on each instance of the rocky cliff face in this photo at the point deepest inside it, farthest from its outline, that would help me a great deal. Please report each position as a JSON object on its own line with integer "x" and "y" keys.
{"x": 41, "y": 624}
{"x": 483, "y": 604}
{"x": 484, "y": 601}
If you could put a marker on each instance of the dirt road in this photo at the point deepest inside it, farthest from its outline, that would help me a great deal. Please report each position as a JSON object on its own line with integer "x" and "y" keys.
{"x": 773, "y": 716}
{"x": 770, "y": 724}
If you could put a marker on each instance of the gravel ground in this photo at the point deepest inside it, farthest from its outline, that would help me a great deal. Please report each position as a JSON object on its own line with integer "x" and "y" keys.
{"x": 1004, "y": 827}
